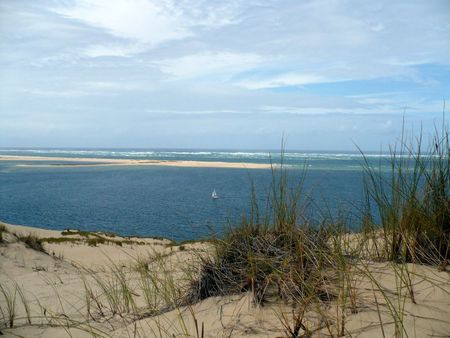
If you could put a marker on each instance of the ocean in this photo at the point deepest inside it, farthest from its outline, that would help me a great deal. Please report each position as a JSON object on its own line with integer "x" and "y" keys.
{"x": 170, "y": 202}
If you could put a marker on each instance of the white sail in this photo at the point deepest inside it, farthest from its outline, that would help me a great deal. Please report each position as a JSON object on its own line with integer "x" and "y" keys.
{"x": 214, "y": 194}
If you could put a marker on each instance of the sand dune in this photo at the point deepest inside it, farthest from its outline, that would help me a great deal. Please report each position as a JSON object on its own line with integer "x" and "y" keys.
{"x": 65, "y": 297}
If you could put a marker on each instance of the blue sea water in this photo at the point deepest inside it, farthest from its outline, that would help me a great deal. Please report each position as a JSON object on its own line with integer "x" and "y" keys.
{"x": 171, "y": 202}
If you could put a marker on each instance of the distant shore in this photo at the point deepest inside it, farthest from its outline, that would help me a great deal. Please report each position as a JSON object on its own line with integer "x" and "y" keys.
{"x": 90, "y": 162}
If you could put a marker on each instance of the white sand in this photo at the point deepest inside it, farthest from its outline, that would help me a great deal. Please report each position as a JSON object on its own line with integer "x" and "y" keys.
{"x": 55, "y": 289}
{"x": 84, "y": 162}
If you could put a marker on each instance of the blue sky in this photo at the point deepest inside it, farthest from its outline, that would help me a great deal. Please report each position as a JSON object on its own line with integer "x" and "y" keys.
{"x": 221, "y": 74}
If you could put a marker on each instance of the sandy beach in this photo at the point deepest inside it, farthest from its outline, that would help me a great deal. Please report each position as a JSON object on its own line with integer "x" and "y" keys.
{"x": 85, "y": 162}
{"x": 63, "y": 290}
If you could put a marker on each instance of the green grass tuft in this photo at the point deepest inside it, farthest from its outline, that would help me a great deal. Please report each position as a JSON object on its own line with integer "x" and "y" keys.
{"x": 279, "y": 257}
{"x": 95, "y": 241}
{"x": 412, "y": 200}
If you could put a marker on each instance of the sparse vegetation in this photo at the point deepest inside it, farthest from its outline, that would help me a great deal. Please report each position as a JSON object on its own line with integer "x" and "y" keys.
{"x": 32, "y": 241}
{"x": 2, "y": 230}
{"x": 95, "y": 241}
{"x": 59, "y": 240}
{"x": 92, "y": 241}
{"x": 69, "y": 232}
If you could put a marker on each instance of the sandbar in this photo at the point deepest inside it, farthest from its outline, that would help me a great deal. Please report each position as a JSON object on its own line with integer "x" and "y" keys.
{"x": 62, "y": 162}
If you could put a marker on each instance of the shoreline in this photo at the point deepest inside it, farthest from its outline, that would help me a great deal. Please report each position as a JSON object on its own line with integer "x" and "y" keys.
{"x": 56, "y": 233}
{"x": 102, "y": 162}
{"x": 42, "y": 232}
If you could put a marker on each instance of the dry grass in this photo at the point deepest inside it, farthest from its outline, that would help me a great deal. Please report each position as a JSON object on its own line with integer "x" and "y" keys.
{"x": 2, "y": 230}
{"x": 32, "y": 242}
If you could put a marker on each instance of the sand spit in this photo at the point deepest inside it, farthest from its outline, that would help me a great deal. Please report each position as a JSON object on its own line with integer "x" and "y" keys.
{"x": 85, "y": 162}
{"x": 86, "y": 284}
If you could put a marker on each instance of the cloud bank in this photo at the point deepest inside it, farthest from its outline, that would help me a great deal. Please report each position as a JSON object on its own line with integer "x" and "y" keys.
{"x": 214, "y": 74}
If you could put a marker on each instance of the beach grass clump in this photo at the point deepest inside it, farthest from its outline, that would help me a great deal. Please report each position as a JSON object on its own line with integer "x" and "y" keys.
{"x": 129, "y": 242}
{"x": 9, "y": 311}
{"x": 91, "y": 241}
{"x": 2, "y": 230}
{"x": 95, "y": 241}
{"x": 116, "y": 295}
{"x": 73, "y": 232}
{"x": 32, "y": 242}
{"x": 412, "y": 200}
{"x": 268, "y": 264}
{"x": 60, "y": 240}
{"x": 9, "y": 305}
{"x": 271, "y": 255}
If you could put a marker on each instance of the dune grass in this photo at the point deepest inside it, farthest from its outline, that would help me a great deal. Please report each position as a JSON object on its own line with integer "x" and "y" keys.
{"x": 283, "y": 256}
{"x": 32, "y": 241}
{"x": 2, "y": 230}
{"x": 412, "y": 200}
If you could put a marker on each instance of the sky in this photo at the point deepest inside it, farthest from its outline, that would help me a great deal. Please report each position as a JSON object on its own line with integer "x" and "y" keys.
{"x": 207, "y": 74}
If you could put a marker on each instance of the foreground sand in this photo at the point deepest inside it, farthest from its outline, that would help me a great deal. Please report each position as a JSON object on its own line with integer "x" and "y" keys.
{"x": 64, "y": 296}
{"x": 85, "y": 161}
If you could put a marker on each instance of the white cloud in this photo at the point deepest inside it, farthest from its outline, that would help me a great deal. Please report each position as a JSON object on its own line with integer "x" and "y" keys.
{"x": 307, "y": 42}
{"x": 122, "y": 50}
{"x": 208, "y": 63}
{"x": 147, "y": 23}
{"x": 138, "y": 20}
{"x": 78, "y": 90}
{"x": 107, "y": 86}
{"x": 283, "y": 80}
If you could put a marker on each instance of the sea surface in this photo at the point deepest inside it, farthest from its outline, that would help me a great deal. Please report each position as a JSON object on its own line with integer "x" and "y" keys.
{"x": 171, "y": 202}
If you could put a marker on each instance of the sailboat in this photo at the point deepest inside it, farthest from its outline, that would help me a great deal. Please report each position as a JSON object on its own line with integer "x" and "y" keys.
{"x": 214, "y": 195}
